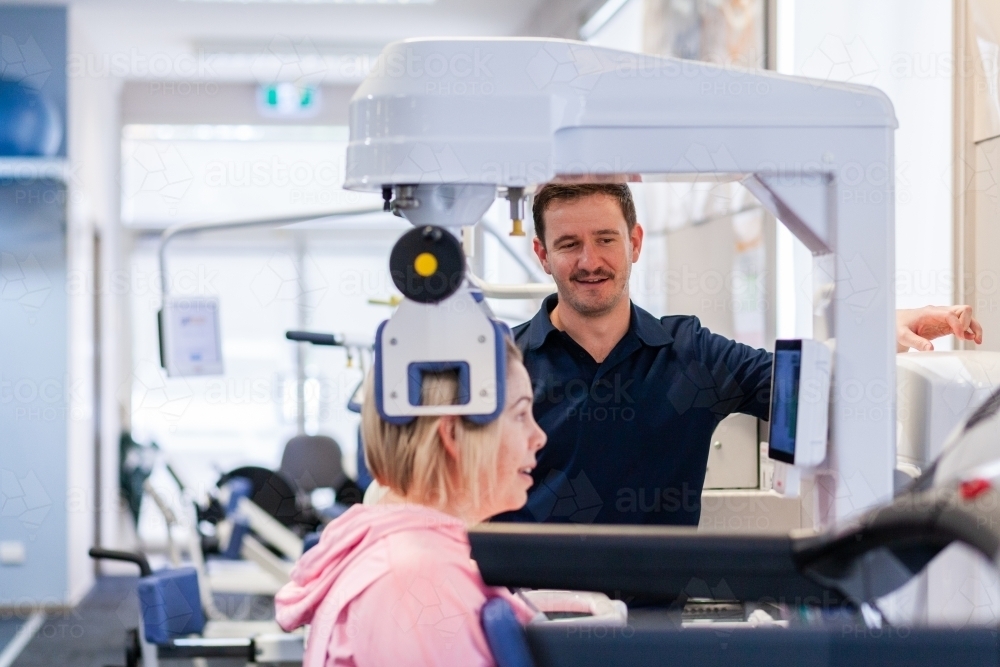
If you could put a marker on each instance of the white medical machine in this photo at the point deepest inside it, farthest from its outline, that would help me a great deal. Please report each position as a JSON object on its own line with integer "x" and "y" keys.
{"x": 441, "y": 126}
{"x": 935, "y": 392}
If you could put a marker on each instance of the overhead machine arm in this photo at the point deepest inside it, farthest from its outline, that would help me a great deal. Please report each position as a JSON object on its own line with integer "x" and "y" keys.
{"x": 440, "y": 125}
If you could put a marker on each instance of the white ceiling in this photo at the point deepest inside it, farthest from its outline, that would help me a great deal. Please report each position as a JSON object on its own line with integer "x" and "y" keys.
{"x": 132, "y": 32}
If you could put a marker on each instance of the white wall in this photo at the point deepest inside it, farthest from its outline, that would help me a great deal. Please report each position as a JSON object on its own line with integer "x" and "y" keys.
{"x": 623, "y": 30}
{"x": 92, "y": 150}
{"x": 117, "y": 41}
{"x": 904, "y": 48}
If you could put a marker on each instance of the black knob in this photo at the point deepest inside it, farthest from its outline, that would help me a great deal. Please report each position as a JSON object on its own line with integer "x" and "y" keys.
{"x": 427, "y": 264}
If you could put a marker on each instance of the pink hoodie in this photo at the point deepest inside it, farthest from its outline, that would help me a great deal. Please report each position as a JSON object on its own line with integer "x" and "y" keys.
{"x": 391, "y": 585}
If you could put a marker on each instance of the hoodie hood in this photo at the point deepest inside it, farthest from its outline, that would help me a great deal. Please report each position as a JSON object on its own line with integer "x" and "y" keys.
{"x": 349, "y": 543}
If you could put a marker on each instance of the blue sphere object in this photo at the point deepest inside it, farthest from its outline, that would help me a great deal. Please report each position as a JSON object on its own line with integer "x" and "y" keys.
{"x": 30, "y": 125}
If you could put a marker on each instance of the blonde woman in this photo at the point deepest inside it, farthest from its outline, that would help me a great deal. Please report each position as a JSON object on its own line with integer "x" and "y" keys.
{"x": 393, "y": 584}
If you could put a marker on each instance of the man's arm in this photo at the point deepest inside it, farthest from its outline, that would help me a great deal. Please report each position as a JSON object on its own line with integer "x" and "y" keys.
{"x": 917, "y": 327}
{"x": 730, "y": 376}
{"x": 741, "y": 375}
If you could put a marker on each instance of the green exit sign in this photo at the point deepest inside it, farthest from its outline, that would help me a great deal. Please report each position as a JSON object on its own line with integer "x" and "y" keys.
{"x": 288, "y": 100}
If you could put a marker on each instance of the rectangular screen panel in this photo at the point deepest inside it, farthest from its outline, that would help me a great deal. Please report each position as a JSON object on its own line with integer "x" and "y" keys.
{"x": 190, "y": 338}
{"x": 785, "y": 400}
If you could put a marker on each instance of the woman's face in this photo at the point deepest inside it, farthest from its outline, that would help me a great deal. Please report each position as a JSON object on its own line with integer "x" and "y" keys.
{"x": 520, "y": 440}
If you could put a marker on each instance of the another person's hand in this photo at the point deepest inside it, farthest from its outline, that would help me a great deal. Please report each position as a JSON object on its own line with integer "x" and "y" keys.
{"x": 917, "y": 327}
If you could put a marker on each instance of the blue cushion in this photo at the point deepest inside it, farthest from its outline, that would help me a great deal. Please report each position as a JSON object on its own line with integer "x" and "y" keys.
{"x": 310, "y": 540}
{"x": 505, "y": 635}
{"x": 239, "y": 487}
{"x": 171, "y": 606}
{"x": 241, "y": 528}
{"x": 364, "y": 477}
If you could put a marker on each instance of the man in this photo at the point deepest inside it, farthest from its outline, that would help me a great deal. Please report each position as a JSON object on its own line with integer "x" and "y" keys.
{"x": 628, "y": 401}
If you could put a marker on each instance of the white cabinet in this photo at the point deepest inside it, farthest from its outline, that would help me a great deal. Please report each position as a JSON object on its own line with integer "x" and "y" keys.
{"x": 733, "y": 455}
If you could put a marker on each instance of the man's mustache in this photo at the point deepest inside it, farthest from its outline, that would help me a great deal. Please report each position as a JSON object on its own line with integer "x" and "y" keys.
{"x": 585, "y": 275}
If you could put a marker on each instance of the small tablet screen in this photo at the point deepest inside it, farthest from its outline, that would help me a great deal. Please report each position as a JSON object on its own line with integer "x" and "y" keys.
{"x": 785, "y": 400}
{"x": 190, "y": 335}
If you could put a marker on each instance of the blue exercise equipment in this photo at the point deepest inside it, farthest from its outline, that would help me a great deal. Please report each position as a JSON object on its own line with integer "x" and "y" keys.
{"x": 30, "y": 123}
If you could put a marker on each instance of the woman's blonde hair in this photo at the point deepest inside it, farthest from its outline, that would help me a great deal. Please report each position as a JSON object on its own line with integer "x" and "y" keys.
{"x": 411, "y": 459}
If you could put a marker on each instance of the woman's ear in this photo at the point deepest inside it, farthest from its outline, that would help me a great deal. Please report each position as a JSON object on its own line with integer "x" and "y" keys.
{"x": 446, "y": 431}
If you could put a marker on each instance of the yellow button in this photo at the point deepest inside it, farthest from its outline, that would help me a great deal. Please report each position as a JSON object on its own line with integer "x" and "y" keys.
{"x": 425, "y": 264}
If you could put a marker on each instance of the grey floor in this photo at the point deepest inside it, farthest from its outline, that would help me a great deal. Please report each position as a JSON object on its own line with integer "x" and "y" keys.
{"x": 9, "y": 625}
{"x": 93, "y": 633}
{"x": 90, "y": 635}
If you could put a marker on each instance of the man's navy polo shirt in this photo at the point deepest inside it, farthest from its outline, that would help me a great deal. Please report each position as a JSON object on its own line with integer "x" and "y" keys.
{"x": 628, "y": 438}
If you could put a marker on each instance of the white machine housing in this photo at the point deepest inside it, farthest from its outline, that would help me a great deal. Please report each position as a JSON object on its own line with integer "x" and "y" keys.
{"x": 457, "y": 118}
{"x": 411, "y": 343}
{"x": 936, "y": 391}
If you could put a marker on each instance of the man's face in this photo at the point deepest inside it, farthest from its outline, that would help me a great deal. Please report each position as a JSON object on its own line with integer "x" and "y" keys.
{"x": 589, "y": 252}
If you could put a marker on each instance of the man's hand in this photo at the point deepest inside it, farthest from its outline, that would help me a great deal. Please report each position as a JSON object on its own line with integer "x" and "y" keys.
{"x": 917, "y": 327}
